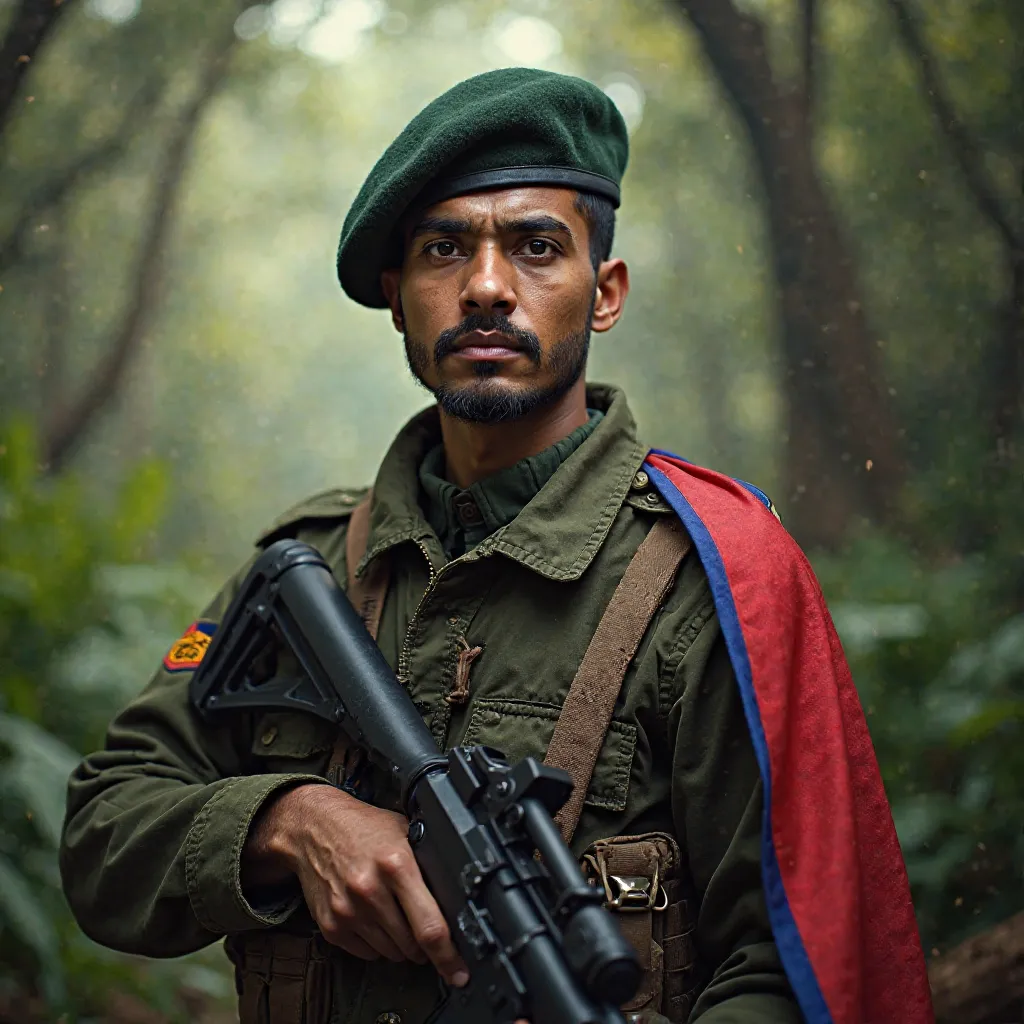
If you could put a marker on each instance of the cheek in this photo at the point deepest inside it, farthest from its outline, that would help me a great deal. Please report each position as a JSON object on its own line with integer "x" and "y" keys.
{"x": 556, "y": 308}
{"x": 427, "y": 306}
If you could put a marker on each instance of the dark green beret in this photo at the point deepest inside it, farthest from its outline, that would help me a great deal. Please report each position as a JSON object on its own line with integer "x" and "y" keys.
{"x": 503, "y": 129}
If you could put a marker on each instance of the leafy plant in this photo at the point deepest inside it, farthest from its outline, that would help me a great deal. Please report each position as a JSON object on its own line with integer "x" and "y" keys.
{"x": 82, "y": 623}
{"x": 938, "y": 656}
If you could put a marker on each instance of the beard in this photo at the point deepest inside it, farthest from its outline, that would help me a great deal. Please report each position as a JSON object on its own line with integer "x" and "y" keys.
{"x": 485, "y": 399}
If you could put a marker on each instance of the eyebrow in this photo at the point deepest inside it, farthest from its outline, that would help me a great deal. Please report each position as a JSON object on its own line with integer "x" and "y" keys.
{"x": 522, "y": 225}
{"x": 441, "y": 226}
{"x": 538, "y": 223}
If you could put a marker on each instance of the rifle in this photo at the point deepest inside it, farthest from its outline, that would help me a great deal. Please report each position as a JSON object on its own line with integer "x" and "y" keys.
{"x": 536, "y": 939}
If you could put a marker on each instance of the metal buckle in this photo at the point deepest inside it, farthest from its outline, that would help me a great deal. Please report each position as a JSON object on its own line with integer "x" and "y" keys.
{"x": 629, "y": 893}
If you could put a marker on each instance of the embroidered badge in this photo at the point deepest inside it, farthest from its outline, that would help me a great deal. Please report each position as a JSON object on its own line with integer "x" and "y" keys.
{"x": 188, "y": 652}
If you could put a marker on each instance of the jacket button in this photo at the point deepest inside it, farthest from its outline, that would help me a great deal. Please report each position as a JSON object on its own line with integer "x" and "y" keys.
{"x": 640, "y": 481}
{"x": 466, "y": 509}
{"x": 388, "y": 1018}
{"x": 269, "y": 736}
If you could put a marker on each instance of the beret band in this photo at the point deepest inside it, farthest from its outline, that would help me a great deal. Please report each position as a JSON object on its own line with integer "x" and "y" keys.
{"x": 509, "y": 128}
{"x": 518, "y": 177}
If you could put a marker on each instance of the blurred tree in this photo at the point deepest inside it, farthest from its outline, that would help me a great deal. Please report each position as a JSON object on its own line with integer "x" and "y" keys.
{"x": 254, "y": 381}
{"x": 982, "y": 980}
{"x": 1003, "y": 409}
{"x": 843, "y": 452}
{"x": 71, "y": 416}
{"x": 27, "y": 29}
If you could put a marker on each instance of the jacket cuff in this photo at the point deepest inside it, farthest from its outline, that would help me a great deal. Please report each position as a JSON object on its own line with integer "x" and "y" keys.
{"x": 213, "y": 855}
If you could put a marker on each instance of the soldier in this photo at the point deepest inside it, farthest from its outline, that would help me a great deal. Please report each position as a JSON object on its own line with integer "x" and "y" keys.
{"x": 499, "y": 526}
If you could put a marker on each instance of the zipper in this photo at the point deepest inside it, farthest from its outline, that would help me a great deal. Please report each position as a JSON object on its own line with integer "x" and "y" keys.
{"x": 405, "y": 653}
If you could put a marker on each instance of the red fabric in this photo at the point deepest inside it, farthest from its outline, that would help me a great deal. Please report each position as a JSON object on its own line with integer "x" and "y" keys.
{"x": 840, "y": 863}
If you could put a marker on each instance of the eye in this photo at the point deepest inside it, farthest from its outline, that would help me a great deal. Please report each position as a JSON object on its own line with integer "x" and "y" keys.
{"x": 443, "y": 248}
{"x": 539, "y": 247}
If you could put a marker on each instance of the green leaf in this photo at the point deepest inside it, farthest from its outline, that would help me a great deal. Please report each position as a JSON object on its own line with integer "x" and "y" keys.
{"x": 38, "y": 772}
{"x": 992, "y": 717}
{"x": 29, "y": 920}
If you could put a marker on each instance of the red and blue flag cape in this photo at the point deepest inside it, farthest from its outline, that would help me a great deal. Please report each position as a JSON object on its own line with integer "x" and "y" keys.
{"x": 834, "y": 879}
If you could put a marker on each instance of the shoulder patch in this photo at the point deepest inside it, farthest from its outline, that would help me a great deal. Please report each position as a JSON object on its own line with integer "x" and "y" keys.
{"x": 187, "y": 652}
{"x": 336, "y": 503}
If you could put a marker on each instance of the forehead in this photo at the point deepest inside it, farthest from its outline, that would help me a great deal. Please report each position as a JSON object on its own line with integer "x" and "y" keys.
{"x": 483, "y": 209}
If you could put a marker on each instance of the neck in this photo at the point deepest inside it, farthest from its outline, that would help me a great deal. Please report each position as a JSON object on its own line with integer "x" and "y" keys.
{"x": 474, "y": 451}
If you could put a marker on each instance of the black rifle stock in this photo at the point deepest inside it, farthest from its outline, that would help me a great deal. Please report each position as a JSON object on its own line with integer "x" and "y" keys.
{"x": 536, "y": 939}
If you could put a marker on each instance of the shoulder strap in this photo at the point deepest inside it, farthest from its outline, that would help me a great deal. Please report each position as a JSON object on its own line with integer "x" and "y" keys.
{"x": 366, "y": 593}
{"x": 587, "y": 712}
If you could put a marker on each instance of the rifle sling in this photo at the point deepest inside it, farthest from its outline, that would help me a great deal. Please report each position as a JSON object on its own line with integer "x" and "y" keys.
{"x": 367, "y": 593}
{"x": 587, "y": 712}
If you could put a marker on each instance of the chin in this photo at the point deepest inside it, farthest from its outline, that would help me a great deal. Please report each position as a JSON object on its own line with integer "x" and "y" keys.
{"x": 490, "y": 399}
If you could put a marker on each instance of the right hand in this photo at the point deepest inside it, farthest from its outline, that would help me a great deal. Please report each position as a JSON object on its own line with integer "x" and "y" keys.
{"x": 358, "y": 874}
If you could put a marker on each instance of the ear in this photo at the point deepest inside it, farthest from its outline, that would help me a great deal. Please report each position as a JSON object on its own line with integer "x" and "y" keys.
{"x": 612, "y": 289}
{"x": 391, "y": 286}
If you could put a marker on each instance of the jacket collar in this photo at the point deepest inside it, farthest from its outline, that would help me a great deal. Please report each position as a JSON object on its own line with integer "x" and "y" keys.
{"x": 558, "y": 533}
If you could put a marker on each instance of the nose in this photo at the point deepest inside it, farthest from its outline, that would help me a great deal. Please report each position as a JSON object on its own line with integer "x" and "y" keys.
{"x": 488, "y": 290}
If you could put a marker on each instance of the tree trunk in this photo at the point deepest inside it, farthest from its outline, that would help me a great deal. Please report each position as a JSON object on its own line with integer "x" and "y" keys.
{"x": 55, "y": 190}
{"x": 69, "y": 423}
{"x": 843, "y": 455}
{"x": 29, "y": 26}
{"x": 981, "y": 981}
{"x": 1003, "y": 397}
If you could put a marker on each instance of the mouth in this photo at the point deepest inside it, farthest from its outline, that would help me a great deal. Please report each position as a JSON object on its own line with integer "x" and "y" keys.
{"x": 490, "y": 345}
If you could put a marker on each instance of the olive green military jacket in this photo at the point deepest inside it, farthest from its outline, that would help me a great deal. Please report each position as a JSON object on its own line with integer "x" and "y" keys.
{"x": 156, "y": 822}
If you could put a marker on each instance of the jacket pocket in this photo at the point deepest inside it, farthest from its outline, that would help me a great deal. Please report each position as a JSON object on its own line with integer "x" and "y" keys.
{"x": 645, "y": 886}
{"x": 520, "y": 728}
{"x": 288, "y": 741}
{"x": 280, "y": 978}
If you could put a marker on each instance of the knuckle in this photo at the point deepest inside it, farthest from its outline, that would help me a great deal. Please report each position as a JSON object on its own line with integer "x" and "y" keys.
{"x": 363, "y": 884}
{"x": 395, "y": 863}
{"x": 432, "y": 934}
{"x": 341, "y": 911}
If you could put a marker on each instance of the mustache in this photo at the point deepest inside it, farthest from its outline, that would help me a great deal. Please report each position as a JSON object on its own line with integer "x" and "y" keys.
{"x": 526, "y": 340}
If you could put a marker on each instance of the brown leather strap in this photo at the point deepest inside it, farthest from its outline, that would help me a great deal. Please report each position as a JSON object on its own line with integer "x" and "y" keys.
{"x": 587, "y": 712}
{"x": 366, "y": 593}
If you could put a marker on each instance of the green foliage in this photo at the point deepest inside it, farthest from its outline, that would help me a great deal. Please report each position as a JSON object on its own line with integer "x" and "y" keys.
{"x": 257, "y": 383}
{"x": 82, "y": 622}
{"x": 938, "y": 657}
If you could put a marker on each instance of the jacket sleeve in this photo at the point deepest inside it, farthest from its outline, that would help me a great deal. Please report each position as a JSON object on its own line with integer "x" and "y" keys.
{"x": 717, "y": 803}
{"x": 156, "y": 822}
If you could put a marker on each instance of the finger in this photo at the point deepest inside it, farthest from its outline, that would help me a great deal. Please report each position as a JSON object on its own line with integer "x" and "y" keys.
{"x": 352, "y": 944}
{"x": 429, "y": 927}
{"x": 377, "y": 939}
{"x": 347, "y": 922}
{"x": 389, "y": 916}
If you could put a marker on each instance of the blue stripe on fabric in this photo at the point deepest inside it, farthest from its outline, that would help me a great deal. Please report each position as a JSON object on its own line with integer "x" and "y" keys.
{"x": 787, "y": 936}
{"x": 753, "y": 488}
{"x": 756, "y": 492}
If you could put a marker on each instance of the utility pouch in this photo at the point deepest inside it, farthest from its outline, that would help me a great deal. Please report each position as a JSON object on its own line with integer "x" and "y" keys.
{"x": 644, "y": 885}
{"x": 280, "y": 978}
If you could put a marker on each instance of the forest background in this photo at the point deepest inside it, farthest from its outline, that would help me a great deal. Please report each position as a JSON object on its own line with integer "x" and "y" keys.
{"x": 824, "y": 217}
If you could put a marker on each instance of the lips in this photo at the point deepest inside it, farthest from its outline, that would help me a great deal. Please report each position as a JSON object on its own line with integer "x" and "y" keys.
{"x": 487, "y": 339}
{"x": 487, "y": 345}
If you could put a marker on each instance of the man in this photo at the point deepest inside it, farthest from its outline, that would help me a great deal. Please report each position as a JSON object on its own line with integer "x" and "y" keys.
{"x": 506, "y": 516}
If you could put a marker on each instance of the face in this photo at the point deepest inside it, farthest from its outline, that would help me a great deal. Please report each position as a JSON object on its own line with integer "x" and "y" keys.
{"x": 496, "y": 298}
